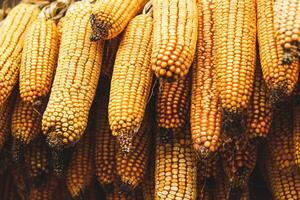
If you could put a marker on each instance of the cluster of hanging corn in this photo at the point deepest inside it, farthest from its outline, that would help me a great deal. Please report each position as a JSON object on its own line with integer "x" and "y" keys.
{"x": 160, "y": 99}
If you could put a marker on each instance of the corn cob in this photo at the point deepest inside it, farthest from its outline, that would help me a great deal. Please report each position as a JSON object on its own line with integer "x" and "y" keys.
{"x": 208, "y": 167}
{"x": 284, "y": 184}
{"x": 280, "y": 78}
{"x": 296, "y": 134}
{"x": 132, "y": 78}
{"x": 39, "y": 59}
{"x": 238, "y": 162}
{"x": 109, "y": 18}
{"x": 287, "y": 26}
{"x": 20, "y": 181}
{"x": 37, "y": 162}
{"x": 109, "y": 56}
{"x": 280, "y": 141}
{"x": 105, "y": 142}
{"x": 172, "y": 103}
{"x": 76, "y": 78}
{"x": 175, "y": 37}
{"x": 8, "y": 189}
{"x": 148, "y": 184}
{"x": 175, "y": 168}
{"x": 5, "y": 119}
{"x": 259, "y": 115}
{"x": 26, "y": 121}
{"x": 12, "y": 33}
{"x": 117, "y": 194}
{"x": 222, "y": 189}
{"x": 60, "y": 26}
{"x": 80, "y": 171}
{"x": 131, "y": 166}
{"x": 205, "y": 110}
{"x": 90, "y": 192}
{"x": 235, "y": 54}
{"x": 46, "y": 192}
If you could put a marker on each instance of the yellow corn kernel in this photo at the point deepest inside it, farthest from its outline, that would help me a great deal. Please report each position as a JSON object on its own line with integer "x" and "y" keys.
{"x": 80, "y": 171}
{"x": 39, "y": 59}
{"x": 280, "y": 139}
{"x": 175, "y": 168}
{"x": 132, "y": 78}
{"x": 174, "y": 37}
{"x": 287, "y": 27}
{"x": 37, "y": 162}
{"x": 284, "y": 184}
{"x": 75, "y": 81}
{"x": 5, "y": 119}
{"x": 131, "y": 166}
{"x": 26, "y": 121}
{"x": 109, "y": 56}
{"x": 105, "y": 149}
{"x": 60, "y": 26}
{"x": 109, "y": 18}
{"x": 205, "y": 115}
{"x": 239, "y": 161}
{"x": 280, "y": 78}
{"x": 259, "y": 113}
{"x": 148, "y": 184}
{"x": 172, "y": 103}
{"x": 12, "y": 34}
{"x": 296, "y": 134}
{"x": 235, "y": 53}
{"x": 45, "y": 192}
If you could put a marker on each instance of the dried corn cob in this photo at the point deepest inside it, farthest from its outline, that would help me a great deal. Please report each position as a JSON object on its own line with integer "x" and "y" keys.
{"x": 26, "y": 121}
{"x": 80, "y": 171}
{"x": 172, "y": 103}
{"x": 175, "y": 37}
{"x": 222, "y": 189}
{"x": 132, "y": 78}
{"x": 117, "y": 194}
{"x": 208, "y": 167}
{"x": 284, "y": 184}
{"x": 37, "y": 162}
{"x": 287, "y": 26}
{"x": 20, "y": 181}
{"x": 280, "y": 141}
{"x": 76, "y": 78}
{"x": 109, "y": 18}
{"x": 131, "y": 166}
{"x": 11, "y": 39}
{"x": 46, "y": 192}
{"x": 109, "y": 56}
{"x": 238, "y": 162}
{"x": 60, "y": 26}
{"x": 8, "y": 189}
{"x": 148, "y": 184}
{"x": 205, "y": 108}
{"x": 175, "y": 168}
{"x": 5, "y": 119}
{"x": 235, "y": 55}
{"x": 280, "y": 78}
{"x": 39, "y": 60}
{"x": 296, "y": 134}
{"x": 259, "y": 115}
{"x": 105, "y": 142}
